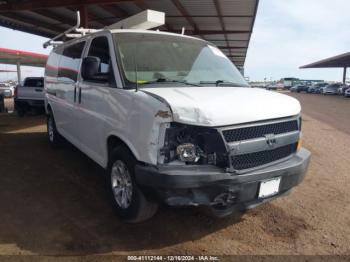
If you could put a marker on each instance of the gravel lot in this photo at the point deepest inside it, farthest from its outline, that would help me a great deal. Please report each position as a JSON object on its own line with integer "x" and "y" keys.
{"x": 54, "y": 202}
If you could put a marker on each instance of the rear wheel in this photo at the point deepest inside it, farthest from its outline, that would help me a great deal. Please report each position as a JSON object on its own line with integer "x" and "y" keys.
{"x": 130, "y": 203}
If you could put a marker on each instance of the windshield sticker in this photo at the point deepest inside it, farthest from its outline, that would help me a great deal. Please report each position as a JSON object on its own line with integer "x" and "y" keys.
{"x": 216, "y": 51}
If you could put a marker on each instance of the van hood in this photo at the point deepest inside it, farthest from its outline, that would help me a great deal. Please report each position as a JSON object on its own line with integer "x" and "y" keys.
{"x": 223, "y": 106}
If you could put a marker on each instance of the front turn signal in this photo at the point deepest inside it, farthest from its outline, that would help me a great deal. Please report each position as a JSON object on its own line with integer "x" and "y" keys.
{"x": 300, "y": 144}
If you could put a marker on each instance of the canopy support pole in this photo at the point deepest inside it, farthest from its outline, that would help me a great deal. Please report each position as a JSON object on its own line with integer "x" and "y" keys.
{"x": 344, "y": 75}
{"x": 19, "y": 72}
{"x": 84, "y": 16}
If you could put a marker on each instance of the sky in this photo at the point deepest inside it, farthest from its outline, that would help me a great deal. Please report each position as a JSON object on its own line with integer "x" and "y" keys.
{"x": 18, "y": 40}
{"x": 291, "y": 33}
{"x": 287, "y": 34}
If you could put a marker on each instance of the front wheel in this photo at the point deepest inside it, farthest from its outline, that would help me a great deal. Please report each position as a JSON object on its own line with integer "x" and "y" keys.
{"x": 130, "y": 203}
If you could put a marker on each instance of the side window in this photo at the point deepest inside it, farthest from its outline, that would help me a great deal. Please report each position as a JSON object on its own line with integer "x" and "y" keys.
{"x": 34, "y": 82}
{"x": 51, "y": 69}
{"x": 70, "y": 61}
{"x": 100, "y": 48}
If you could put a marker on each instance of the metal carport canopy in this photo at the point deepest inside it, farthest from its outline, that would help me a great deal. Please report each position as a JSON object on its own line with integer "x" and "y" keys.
{"x": 19, "y": 58}
{"x": 226, "y": 23}
{"x": 340, "y": 61}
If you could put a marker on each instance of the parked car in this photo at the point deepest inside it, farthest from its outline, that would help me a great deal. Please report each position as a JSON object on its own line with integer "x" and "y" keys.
{"x": 330, "y": 89}
{"x": 347, "y": 92}
{"x": 7, "y": 90}
{"x": 299, "y": 88}
{"x": 271, "y": 87}
{"x": 30, "y": 95}
{"x": 293, "y": 88}
{"x": 342, "y": 88}
{"x": 167, "y": 120}
{"x": 316, "y": 89}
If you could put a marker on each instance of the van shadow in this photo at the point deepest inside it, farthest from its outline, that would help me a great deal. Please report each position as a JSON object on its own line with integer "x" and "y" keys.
{"x": 55, "y": 202}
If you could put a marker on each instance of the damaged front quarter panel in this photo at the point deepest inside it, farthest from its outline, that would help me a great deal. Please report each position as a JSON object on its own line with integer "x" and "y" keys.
{"x": 191, "y": 115}
{"x": 206, "y": 142}
{"x": 163, "y": 114}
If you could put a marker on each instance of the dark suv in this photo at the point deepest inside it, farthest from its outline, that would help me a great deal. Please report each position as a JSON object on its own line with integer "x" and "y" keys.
{"x": 299, "y": 88}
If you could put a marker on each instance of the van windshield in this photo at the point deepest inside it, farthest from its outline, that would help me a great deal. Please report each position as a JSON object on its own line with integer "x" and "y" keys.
{"x": 160, "y": 59}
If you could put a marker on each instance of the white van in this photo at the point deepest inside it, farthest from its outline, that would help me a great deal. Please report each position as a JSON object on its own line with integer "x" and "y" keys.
{"x": 172, "y": 120}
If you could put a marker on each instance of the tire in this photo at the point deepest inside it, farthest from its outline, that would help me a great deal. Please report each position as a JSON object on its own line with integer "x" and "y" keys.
{"x": 21, "y": 111}
{"x": 128, "y": 200}
{"x": 54, "y": 138}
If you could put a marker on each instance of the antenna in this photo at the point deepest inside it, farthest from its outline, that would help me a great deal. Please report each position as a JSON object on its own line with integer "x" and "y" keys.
{"x": 135, "y": 63}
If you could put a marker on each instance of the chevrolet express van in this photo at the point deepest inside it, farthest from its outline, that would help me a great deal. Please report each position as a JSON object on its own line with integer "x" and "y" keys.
{"x": 172, "y": 121}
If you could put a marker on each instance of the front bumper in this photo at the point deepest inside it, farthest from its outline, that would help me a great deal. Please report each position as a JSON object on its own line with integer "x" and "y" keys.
{"x": 209, "y": 185}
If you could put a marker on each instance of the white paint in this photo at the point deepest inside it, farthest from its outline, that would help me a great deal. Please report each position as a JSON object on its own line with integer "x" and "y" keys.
{"x": 147, "y": 19}
{"x": 221, "y": 106}
{"x": 104, "y": 112}
{"x": 140, "y": 118}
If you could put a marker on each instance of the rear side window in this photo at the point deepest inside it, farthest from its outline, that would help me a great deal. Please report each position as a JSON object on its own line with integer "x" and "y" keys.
{"x": 34, "y": 82}
{"x": 100, "y": 48}
{"x": 70, "y": 62}
{"x": 51, "y": 69}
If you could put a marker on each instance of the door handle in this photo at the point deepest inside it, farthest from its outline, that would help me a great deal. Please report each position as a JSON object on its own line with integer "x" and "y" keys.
{"x": 38, "y": 90}
{"x": 79, "y": 97}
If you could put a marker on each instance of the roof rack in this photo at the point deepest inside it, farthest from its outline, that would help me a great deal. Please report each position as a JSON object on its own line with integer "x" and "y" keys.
{"x": 73, "y": 32}
{"x": 145, "y": 20}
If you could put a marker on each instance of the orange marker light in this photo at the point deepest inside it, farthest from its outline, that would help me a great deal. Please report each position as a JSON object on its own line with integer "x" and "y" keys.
{"x": 300, "y": 144}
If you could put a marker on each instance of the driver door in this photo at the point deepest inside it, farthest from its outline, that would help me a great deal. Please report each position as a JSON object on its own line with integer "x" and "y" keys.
{"x": 93, "y": 99}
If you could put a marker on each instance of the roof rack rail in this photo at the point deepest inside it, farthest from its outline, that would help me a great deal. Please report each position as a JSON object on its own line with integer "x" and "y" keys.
{"x": 145, "y": 20}
{"x": 77, "y": 32}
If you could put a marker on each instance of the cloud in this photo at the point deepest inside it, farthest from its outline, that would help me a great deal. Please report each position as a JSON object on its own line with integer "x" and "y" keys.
{"x": 292, "y": 33}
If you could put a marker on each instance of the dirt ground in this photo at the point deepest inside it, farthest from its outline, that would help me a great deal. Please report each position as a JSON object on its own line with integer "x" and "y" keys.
{"x": 54, "y": 202}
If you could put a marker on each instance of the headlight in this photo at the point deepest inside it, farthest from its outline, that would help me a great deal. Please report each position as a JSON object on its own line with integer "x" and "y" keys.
{"x": 187, "y": 153}
{"x": 193, "y": 145}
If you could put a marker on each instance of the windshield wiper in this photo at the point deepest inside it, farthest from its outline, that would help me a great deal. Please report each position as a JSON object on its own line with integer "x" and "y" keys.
{"x": 163, "y": 80}
{"x": 224, "y": 82}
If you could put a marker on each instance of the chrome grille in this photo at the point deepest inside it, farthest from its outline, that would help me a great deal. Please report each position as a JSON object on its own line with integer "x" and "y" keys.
{"x": 245, "y": 133}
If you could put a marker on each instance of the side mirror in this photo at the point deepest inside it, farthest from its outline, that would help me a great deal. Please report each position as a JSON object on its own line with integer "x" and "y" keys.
{"x": 89, "y": 70}
{"x": 89, "y": 67}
